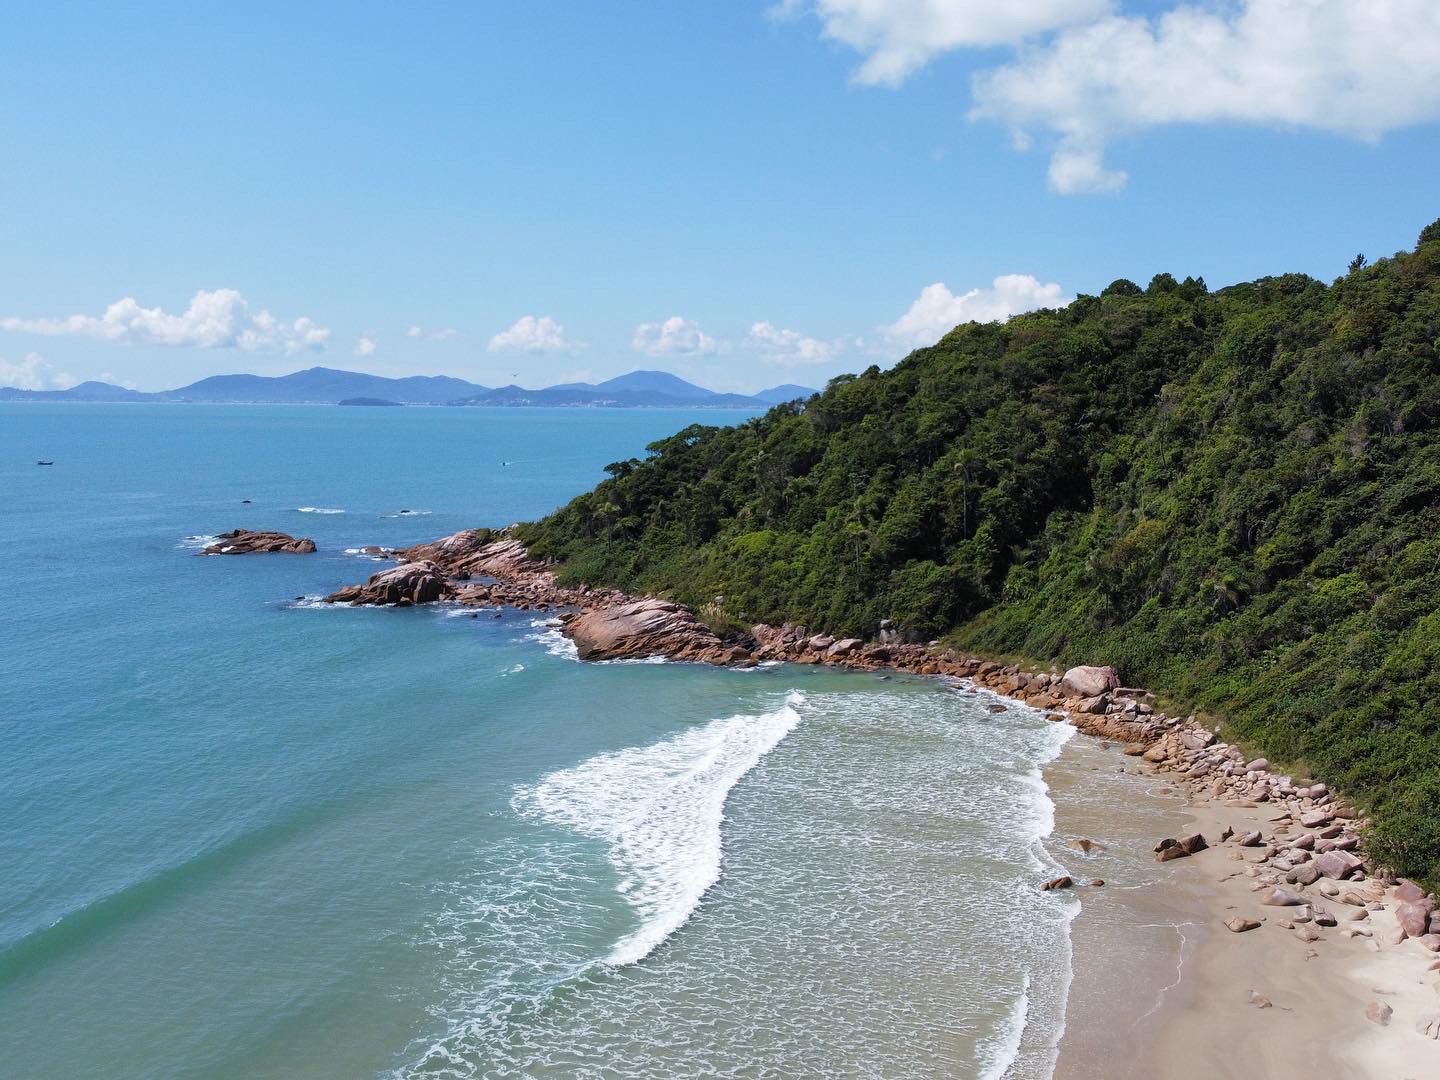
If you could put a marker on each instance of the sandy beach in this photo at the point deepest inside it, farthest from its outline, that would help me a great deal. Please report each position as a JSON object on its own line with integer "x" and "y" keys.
{"x": 1163, "y": 989}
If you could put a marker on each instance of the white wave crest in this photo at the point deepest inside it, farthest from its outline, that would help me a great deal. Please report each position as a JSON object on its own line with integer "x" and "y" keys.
{"x": 556, "y": 644}
{"x": 317, "y": 510}
{"x": 660, "y": 808}
{"x": 409, "y": 513}
{"x": 198, "y": 541}
{"x": 1003, "y": 1047}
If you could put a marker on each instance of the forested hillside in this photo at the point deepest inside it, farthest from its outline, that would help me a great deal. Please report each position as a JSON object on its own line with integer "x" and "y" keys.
{"x": 1232, "y": 496}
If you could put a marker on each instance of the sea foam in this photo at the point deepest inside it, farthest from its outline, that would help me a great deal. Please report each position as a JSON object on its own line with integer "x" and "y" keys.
{"x": 318, "y": 510}
{"x": 660, "y": 810}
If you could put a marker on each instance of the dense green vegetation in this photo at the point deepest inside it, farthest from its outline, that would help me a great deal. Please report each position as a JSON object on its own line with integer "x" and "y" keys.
{"x": 1232, "y": 496}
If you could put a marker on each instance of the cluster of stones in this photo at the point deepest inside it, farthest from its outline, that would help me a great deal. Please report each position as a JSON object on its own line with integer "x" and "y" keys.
{"x": 253, "y": 542}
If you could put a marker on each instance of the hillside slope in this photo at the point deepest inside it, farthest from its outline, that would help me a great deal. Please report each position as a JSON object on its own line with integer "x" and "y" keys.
{"x": 1233, "y": 496}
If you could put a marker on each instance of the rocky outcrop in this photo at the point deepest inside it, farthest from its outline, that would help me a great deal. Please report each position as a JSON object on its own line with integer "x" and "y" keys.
{"x": 403, "y": 585}
{"x": 250, "y": 542}
{"x": 1089, "y": 682}
{"x": 646, "y": 628}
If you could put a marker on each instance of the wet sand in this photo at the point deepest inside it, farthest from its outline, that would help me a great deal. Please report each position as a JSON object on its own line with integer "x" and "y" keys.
{"x": 1163, "y": 989}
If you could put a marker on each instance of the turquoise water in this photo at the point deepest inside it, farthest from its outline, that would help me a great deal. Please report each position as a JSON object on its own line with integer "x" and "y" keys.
{"x": 242, "y": 835}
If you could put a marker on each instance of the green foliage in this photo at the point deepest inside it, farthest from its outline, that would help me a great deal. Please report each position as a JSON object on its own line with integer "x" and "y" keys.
{"x": 1233, "y": 496}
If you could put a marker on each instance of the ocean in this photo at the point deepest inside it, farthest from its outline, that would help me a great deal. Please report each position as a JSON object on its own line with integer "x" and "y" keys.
{"x": 245, "y": 835}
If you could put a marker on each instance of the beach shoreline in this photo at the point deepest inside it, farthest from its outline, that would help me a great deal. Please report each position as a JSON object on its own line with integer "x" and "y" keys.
{"x": 1160, "y": 986}
{"x": 1199, "y": 955}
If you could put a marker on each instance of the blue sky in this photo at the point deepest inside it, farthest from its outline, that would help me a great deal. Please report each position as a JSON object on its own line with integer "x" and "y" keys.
{"x": 742, "y": 193}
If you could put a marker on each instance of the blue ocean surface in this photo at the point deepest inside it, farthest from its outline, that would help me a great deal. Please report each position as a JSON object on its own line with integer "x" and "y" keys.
{"x": 246, "y": 835}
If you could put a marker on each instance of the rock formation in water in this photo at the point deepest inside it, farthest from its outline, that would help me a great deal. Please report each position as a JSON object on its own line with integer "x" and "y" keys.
{"x": 249, "y": 542}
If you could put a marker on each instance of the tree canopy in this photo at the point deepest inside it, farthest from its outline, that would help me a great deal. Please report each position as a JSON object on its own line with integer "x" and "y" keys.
{"x": 1232, "y": 496}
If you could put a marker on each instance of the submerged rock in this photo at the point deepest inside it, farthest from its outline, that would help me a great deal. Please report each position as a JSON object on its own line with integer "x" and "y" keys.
{"x": 250, "y": 542}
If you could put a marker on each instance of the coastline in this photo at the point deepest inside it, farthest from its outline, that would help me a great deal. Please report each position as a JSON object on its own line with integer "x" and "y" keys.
{"x": 1162, "y": 985}
{"x": 1161, "y": 988}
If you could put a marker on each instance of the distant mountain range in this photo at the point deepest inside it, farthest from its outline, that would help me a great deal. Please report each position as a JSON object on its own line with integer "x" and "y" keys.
{"x": 328, "y": 386}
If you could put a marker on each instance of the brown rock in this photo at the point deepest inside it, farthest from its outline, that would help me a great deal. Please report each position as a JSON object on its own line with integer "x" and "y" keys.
{"x": 1089, "y": 682}
{"x": 1337, "y": 864}
{"x": 1413, "y": 918}
{"x": 1407, "y": 892}
{"x": 1239, "y": 924}
{"x": 1081, "y": 843}
{"x": 249, "y": 542}
{"x": 1281, "y": 898}
{"x": 403, "y": 585}
{"x": 1062, "y": 882}
{"x": 645, "y": 628}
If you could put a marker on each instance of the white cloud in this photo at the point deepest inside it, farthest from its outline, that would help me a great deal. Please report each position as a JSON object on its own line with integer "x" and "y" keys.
{"x": 898, "y": 37}
{"x": 1352, "y": 67}
{"x": 215, "y": 319}
{"x": 673, "y": 337}
{"x": 444, "y": 334}
{"x": 532, "y": 334}
{"x": 789, "y": 347}
{"x": 937, "y": 311}
{"x": 1085, "y": 76}
{"x": 34, "y": 373}
{"x": 366, "y": 345}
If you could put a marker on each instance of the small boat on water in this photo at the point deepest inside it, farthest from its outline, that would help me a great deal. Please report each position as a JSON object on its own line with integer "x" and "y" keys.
{"x": 44, "y": 463}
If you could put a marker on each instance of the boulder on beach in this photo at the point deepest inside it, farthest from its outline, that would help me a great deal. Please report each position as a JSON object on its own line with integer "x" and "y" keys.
{"x": 1064, "y": 881}
{"x": 409, "y": 583}
{"x": 251, "y": 542}
{"x": 1087, "y": 681}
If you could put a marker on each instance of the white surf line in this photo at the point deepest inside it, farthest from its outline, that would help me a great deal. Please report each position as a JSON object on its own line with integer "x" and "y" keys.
{"x": 660, "y": 808}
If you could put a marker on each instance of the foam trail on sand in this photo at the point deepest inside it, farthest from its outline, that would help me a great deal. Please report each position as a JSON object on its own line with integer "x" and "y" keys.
{"x": 660, "y": 808}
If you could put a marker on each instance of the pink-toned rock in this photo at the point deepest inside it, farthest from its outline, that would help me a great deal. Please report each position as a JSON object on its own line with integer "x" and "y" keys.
{"x": 1281, "y": 898}
{"x": 250, "y": 542}
{"x": 1414, "y": 918}
{"x": 1088, "y": 681}
{"x": 408, "y": 583}
{"x": 1377, "y": 1012}
{"x": 1238, "y": 924}
{"x": 1313, "y": 819}
{"x": 645, "y": 628}
{"x": 1407, "y": 892}
{"x": 1337, "y": 864}
{"x": 1431, "y": 942}
{"x": 843, "y": 647}
{"x": 1260, "y": 764}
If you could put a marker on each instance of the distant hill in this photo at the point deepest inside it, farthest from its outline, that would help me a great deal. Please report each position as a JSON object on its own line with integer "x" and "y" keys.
{"x": 86, "y": 391}
{"x": 778, "y": 395}
{"x": 330, "y": 386}
{"x": 325, "y": 386}
{"x": 655, "y": 382}
{"x": 584, "y": 395}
